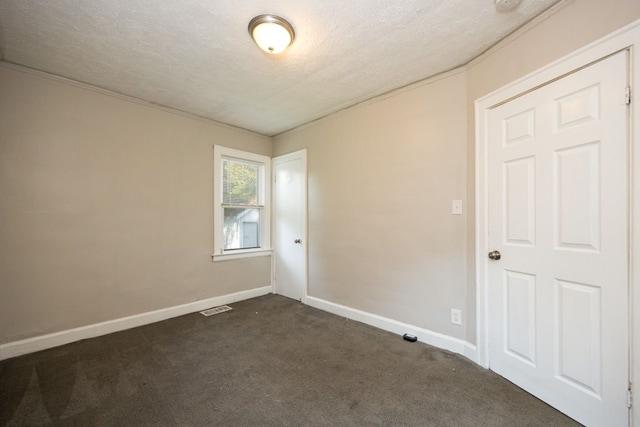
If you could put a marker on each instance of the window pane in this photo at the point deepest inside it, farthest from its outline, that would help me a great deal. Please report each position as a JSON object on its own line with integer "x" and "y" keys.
{"x": 239, "y": 182}
{"x": 241, "y": 228}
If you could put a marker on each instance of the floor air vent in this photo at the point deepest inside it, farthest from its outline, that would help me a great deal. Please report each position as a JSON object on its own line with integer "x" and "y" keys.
{"x": 216, "y": 310}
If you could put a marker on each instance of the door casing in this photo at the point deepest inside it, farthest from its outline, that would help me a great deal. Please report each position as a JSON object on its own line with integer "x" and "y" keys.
{"x": 627, "y": 38}
{"x": 300, "y": 154}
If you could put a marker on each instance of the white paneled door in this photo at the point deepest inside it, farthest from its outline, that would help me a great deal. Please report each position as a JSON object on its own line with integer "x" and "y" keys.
{"x": 290, "y": 240}
{"x": 558, "y": 222}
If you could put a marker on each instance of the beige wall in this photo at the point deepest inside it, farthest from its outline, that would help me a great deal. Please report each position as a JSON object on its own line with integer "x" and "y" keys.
{"x": 105, "y": 204}
{"x": 382, "y": 176}
{"x": 105, "y": 207}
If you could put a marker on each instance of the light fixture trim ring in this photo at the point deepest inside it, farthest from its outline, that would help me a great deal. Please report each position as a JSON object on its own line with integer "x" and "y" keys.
{"x": 271, "y": 19}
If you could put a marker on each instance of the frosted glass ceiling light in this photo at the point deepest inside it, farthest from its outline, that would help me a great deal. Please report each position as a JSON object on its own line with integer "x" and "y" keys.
{"x": 271, "y": 33}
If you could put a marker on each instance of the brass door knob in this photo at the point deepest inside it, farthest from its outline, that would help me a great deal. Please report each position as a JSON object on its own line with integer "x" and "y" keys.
{"x": 494, "y": 255}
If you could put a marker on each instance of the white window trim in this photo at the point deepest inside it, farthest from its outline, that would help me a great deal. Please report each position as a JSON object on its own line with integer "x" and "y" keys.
{"x": 219, "y": 254}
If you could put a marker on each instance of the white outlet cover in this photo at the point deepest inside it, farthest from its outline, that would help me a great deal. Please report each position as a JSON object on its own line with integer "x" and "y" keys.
{"x": 456, "y": 316}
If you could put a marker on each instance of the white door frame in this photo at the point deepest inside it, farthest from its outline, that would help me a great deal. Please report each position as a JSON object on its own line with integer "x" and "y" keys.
{"x": 626, "y": 38}
{"x": 301, "y": 154}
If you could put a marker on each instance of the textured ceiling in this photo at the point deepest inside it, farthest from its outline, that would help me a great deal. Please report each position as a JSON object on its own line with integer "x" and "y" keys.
{"x": 197, "y": 55}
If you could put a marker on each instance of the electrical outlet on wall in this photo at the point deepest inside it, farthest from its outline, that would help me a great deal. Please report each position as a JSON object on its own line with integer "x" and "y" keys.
{"x": 456, "y": 316}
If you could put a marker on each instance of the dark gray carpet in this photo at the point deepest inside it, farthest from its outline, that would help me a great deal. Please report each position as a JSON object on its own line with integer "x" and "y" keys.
{"x": 268, "y": 362}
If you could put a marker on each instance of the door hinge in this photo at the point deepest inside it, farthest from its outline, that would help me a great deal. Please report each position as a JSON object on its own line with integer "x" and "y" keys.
{"x": 627, "y": 95}
{"x": 629, "y": 397}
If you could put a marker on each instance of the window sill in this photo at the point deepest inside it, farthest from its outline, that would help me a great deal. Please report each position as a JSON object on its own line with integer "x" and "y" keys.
{"x": 239, "y": 255}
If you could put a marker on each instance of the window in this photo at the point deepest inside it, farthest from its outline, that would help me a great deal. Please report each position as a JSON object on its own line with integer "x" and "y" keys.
{"x": 241, "y": 197}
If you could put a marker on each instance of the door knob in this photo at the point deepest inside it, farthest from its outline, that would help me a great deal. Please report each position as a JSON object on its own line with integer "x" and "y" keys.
{"x": 494, "y": 255}
{"x": 298, "y": 241}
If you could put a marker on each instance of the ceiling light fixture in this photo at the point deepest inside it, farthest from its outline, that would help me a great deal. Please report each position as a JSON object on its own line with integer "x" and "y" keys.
{"x": 271, "y": 33}
{"x": 506, "y": 5}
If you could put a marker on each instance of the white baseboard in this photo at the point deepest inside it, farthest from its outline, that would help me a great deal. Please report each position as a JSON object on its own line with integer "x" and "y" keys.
{"x": 43, "y": 342}
{"x": 426, "y": 336}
